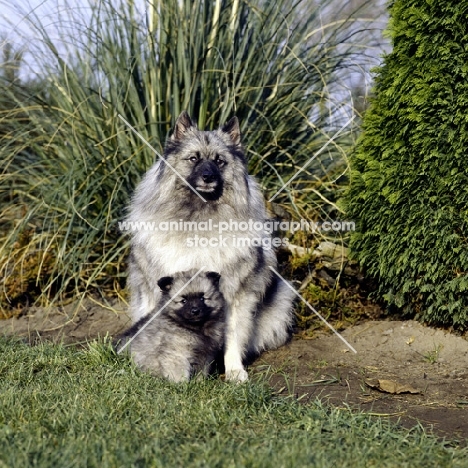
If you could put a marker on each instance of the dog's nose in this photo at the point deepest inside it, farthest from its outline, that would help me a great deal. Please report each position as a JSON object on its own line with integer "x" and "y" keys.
{"x": 195, "y": 311}
{"x": 208, "y": 177}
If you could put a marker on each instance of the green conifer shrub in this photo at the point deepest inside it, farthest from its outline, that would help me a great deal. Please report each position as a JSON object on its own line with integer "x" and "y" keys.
{"x": 409, "y": 181}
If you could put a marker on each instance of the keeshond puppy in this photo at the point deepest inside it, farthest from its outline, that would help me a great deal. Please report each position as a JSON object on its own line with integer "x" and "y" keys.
{"x": 203, "y": 181}
{"x": 184, "y": 334}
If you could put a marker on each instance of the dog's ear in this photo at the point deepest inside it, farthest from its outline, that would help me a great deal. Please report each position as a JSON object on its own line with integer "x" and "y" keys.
{"x": 233, "y": 130}
{"x": 214, "y": 277}
{"x": 166, "y": 283}
{"x": 183, "y": 124}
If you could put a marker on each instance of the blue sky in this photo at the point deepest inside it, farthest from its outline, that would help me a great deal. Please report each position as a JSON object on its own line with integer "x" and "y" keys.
{"x": 13, "y": 15}
{"x": 17, "y": 25}
{"x": 60, "y": 18}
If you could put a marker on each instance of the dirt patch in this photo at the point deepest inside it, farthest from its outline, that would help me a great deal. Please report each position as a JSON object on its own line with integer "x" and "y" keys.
{"x": 74, "y": 323}
{"x": 431, "y": 362}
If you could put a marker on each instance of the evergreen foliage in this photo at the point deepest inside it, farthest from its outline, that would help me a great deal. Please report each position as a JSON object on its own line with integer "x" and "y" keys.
{"x": 409, "y": 183}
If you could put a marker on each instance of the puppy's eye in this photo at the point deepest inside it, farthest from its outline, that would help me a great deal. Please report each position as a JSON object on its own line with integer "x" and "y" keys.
{"x": 220, "y": 162}
{"x": 183, "y": 301}
{"x": 202, "y": 299}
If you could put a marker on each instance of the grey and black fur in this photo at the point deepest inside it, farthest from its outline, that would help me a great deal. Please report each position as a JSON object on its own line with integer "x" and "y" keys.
{"x": 258, "y": 304}
{"x": 187, "y": 335}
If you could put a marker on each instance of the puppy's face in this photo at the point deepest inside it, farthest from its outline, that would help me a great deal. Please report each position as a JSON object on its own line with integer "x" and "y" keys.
{"x": 209, "y": 161}
{"x": 199, "y": 301}
{"x": 192, "y": 308}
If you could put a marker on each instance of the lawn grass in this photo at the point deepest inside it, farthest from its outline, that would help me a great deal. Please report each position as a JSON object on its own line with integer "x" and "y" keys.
{"x": 67, "y": 407}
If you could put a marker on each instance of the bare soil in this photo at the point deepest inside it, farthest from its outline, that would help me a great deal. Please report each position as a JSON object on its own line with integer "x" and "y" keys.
{"x": 433, "y": 364}
{"x": 77, "y": 322}
{"x": 397, "y": 356}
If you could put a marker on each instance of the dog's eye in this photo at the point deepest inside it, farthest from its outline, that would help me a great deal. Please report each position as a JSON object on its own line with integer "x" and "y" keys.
{"x": 183, "y": 301}
{"x": 220, "y": 162}
{"x": 195, "y": 157}
{"x": 202, "y": 299}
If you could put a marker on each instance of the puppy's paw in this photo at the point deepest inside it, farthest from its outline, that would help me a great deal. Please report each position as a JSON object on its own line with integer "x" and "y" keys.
{"x": 237, "y": 375}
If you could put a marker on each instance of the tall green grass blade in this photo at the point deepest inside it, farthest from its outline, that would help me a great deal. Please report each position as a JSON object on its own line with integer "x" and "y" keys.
{"x": 69, "y": 164}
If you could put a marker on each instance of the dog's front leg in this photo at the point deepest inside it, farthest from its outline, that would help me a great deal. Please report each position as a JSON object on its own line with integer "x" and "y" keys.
{"x": 238, "y": 333}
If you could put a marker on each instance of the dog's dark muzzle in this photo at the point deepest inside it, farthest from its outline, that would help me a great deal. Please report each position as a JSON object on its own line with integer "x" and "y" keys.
{"x": 208, "y": 173}
{"x": 207, "y": 180}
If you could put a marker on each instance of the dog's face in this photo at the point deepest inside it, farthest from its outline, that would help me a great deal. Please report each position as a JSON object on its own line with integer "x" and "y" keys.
{"x": 192, "y": 308}
{"x": 199, "y": 301}
{"x": 209, "y": 161}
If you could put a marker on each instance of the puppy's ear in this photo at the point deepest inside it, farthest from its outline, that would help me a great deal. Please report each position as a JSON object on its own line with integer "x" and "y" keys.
{"x": 166, "y": 283}
{"x": 233, "y": 130}
{"x": 214, "y": 277}
{"x": 183, "y": 124}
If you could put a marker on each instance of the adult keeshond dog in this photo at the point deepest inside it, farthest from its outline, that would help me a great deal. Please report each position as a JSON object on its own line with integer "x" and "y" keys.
{"x": 184, "y": 334}
{"x": 203, "y": 181}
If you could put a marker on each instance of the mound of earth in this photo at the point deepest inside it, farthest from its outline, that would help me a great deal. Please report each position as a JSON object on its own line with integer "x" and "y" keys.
{"x": 402, "y": 370}
{"x": 74, "y": 323}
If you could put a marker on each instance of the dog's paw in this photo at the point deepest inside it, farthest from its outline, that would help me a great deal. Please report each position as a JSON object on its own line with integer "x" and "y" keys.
{"x": 237, "y": 375}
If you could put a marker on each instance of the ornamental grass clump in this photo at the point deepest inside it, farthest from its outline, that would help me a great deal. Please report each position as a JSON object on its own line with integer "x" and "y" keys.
{"x": 68, "y": 164}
